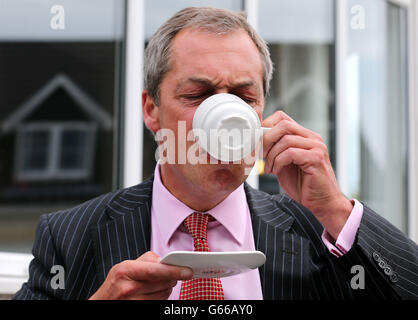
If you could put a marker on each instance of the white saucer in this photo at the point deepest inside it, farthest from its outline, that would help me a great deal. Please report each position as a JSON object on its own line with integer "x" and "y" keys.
{"x": 216, "y": 264}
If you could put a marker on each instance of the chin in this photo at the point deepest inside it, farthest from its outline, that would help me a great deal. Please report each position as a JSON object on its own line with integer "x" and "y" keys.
{"x": 226, "y": 177}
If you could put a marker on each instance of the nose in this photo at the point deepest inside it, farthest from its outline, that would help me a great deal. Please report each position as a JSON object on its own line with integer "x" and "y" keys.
{"x": 221, "y": 90}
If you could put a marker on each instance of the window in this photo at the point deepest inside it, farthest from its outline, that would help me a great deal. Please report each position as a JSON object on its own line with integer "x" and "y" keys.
{"x": 60, "y": 109}
{"x": 55, "y": 151}
{"x": 300, "y": 34}
{"x": 376, "y": 157}
{"x": 33, "y": 146}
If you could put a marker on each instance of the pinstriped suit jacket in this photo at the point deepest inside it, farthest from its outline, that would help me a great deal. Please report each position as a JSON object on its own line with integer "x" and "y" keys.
{"x": 89, "y": 239}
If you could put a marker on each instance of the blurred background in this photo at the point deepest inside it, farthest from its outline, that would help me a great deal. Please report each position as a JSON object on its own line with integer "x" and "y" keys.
{"x": 71, "y": 78}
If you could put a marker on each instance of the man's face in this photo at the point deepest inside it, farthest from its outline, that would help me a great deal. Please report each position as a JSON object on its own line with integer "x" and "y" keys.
{"x": 203, "y": 64}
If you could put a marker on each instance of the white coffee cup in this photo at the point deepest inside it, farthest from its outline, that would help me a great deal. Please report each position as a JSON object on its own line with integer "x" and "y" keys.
{"x": 227, "y": 127}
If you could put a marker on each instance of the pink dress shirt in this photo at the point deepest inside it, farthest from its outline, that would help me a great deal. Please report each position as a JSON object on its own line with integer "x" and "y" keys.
{"x": 348, "y": 233}
{"x": 232, "y": 231}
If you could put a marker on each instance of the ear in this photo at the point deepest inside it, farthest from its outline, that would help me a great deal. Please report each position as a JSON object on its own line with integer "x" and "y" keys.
{"x": 150, "y": 112}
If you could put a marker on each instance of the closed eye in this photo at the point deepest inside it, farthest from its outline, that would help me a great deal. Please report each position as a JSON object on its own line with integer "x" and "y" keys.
{"x": 249, "y": 101}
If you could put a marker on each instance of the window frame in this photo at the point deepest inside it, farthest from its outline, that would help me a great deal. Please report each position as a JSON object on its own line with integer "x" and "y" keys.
{"x": 53, "y": 171}
{"x": 132, "y": 119}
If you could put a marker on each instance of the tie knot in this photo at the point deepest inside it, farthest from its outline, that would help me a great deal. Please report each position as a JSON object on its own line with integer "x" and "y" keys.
{"x": 197, "y": 225}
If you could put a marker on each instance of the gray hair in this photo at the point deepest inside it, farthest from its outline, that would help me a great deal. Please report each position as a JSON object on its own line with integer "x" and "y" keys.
{"x": 213, "y": 20}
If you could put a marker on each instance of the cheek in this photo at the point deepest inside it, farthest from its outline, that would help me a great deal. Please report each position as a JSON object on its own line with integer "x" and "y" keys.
{"x": 184, "y": 115}
{"x": 170, "y": 117}
{"x": 180, "y": 122}
{"x": 259, "y": 111}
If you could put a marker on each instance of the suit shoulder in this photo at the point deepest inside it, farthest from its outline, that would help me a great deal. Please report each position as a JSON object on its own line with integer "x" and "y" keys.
{"x": 305, "y": 221}
{"x": 92, "y": 211}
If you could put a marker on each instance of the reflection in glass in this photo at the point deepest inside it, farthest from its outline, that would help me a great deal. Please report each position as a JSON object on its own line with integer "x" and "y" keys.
{"x": 378, "y": 111}
{"x": 76, "y": 149}
{"x": 301, "y": 39}
{"x": 34, "y": 147}
{"x": 59, "y": 109}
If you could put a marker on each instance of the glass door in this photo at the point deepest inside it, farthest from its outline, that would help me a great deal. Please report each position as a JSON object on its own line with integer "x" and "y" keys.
{"x": 376, "y": 69}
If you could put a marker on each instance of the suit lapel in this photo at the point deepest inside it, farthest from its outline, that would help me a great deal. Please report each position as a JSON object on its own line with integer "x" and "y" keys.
{"x": 124, "y": 233}
{"x": 286, "y": 252}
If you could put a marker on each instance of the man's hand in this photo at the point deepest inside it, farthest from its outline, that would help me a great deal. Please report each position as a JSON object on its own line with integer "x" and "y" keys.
{"x": 299, "y": 158}
{"x": 141, "y": 279}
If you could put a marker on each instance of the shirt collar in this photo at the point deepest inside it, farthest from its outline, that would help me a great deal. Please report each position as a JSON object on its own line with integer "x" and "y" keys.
{"x": 170, "y": 212}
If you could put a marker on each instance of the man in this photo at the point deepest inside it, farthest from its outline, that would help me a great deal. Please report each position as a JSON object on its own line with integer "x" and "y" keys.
{"x": 312, "y": 238}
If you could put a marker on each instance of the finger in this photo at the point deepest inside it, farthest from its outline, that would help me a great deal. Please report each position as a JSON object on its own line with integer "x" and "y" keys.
{"x": 275, "y": 118}
{"x": 288, "y": 141}
{"x": 157, "y": 295}
{"x": 160, "y": 295}
{"x": 150, "y": 287}
{"x": 305, "y": 159}
{"x": 285, "y": 127}
{"x": 149, "y": 256}
{"x": 144, "y": 270}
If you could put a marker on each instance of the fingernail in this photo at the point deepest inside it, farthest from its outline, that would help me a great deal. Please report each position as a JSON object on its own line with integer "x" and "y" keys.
{"x": 186, "y": 273}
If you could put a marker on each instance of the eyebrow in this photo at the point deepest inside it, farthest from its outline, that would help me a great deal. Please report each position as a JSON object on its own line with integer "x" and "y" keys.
{"x": 208, "y": 83}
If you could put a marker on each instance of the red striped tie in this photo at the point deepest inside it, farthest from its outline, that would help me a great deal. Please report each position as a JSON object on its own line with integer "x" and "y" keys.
{"x": 200, "y": 289}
